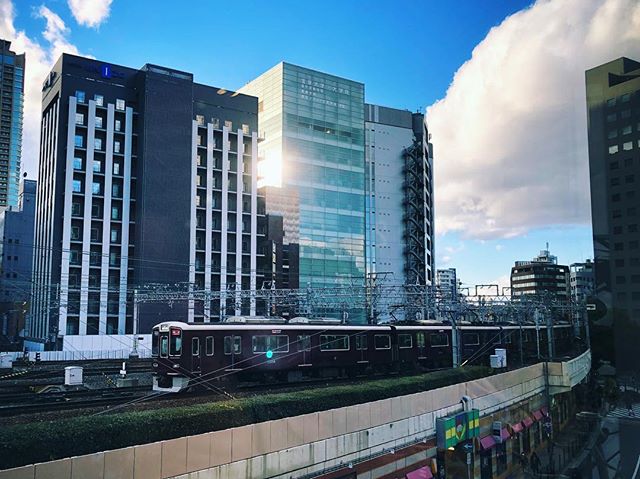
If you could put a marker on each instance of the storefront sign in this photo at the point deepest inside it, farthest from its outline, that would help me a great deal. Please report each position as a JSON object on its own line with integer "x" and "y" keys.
{"x": 453, "y": 430}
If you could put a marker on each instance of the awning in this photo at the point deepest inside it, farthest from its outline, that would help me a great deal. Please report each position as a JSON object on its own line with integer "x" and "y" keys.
{"x": 487, "y": 442}
{"x": 504, "y": 434}
{"x": 537, "y": 415}
{"x": 422, "y": 473}
{"x": 517, "y": 427}
{"x": 527, "y": 422}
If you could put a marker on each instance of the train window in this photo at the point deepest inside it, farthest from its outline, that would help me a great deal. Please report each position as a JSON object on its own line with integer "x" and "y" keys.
{"x": 208, "y": 344}
{"x": 471, "y": 339}
{"x": 276, "y": 344}
{"x": 382, "y": 341}
{"x": 304, "y": 342}
{"x": 420, "y": 340}
{"x": 237, "y": 345}
{"x": 154, "y": 343}
{"x": 334, "y": 342}
{"x": 438, "y": 340}
{"x": 175, "y": 344}
{"x": 164, "y": 346}
{"x": 195, "y": 346}
{"x": 496, "y": 338}
{"x": 405, "y": 341}
{"x": 361, "y": 342}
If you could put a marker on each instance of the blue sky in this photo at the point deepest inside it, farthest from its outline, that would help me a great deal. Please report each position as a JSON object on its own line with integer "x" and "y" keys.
{"x": 407, "y": 54}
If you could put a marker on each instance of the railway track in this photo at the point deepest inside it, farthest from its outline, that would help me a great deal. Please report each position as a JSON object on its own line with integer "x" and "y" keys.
{"x": 31, "y": 403}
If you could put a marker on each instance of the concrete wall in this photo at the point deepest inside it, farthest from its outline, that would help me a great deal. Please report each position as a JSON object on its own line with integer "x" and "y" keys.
{"x": 295, "y": 446}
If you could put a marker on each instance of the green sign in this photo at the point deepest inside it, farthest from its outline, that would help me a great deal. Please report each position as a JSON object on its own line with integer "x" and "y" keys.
{"x": 453, "y": 430}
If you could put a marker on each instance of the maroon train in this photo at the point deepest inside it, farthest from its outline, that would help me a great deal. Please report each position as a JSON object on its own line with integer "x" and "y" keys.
{"x": 251, "y": 349}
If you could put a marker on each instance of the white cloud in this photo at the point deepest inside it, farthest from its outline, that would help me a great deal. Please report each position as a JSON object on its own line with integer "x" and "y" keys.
{"x": 90, "y": 13}
{"x": 39, "y": 60}
{"x": 510, "y": 135}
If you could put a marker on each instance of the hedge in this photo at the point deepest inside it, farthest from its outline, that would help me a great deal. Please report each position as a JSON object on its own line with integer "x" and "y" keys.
{"x": 22, "y": 444}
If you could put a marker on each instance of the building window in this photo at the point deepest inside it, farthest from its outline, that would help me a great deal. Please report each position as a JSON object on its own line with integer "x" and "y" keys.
{"x": 114, "y": 236}
{"x": 99, "y": 99}
{"x": 228, "y": 124}
{"x": 116, "y": 168}
{"x": 75, "y": 232}
{"x": 115, "y": 190}
{"x": 625, "y": 98}
{"x": 120, "y": 104}
{"x": 200, "y": 120}
{"x": 79, "y": 118}
{"x": 77, "y": 186}
{"x": 627, "y": 130}
{"x": 115, "y": 213}
{"x": 613, "y": 149}
{"x": 97, "y": 166}
{"x": 116, "y": 146}
{"x": 95, "y": 234}
{"x": 97, "y": 143}
{"x": 612, "y": 134}
{"x": 79, "y": 141}
{"x": 611, "y": 102}
{"x": 627, "y": 145}
{"x": 245, "y": 129}
{"x": 118, "y": 125}
{"x": 95, "y": 188}
{"x": 98, "y": 122}
{"x": 77, "y": 163}
{"x": 625, "y": 114}
{"x": 611, "y": 118}
{"x": 80, "y": 96}
{"x": 75, "y": 209}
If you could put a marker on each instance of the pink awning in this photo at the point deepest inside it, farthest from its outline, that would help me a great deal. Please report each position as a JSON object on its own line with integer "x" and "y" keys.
{"x": 537, "y": 415}
{"x": 422, "y": 473}
{"x": 527, "y": 421}
{"x": 517, "y": 427}
{"x": 487, "y": 442}
{"x": 504, "y": 434}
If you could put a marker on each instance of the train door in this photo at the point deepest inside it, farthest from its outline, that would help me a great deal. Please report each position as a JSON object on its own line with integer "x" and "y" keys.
{"x": 195, "y": 355}
{"x": 233, "y": 352}
{"x": 421, "y": 346}
{"x": 362, "y": 347}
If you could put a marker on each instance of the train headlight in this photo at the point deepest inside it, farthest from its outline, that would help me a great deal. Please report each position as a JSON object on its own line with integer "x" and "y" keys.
{"x": 176, "y": 366}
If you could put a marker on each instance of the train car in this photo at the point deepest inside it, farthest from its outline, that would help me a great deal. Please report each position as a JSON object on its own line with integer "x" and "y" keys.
{"x": 188, "y": 355}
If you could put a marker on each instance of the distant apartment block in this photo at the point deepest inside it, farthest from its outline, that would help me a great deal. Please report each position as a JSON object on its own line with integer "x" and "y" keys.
{"x": 399, "y": 200}
{"x": 541, "y": 275}
{"x": 16, "y": 224}
{"x": 447, "y": 283}
{"x": 581, "y": 280}
{"x": 146, "y": 177}
{"x": 11, "y": 111}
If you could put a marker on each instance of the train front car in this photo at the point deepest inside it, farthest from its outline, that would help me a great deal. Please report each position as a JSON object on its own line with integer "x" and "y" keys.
{"x": 169, "y": 371}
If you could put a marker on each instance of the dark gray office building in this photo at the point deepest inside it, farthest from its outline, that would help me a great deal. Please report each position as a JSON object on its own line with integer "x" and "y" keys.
{"x": 613, "y": 102}
{"x": 541, "y": 275}
{"x": 11, "y": 106}
{"x": 146, "y": 177}
{"x": 16, "y": 224}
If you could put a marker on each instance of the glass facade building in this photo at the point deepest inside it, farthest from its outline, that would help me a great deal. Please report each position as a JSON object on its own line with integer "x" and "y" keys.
{"x": 312, "y": 164}
{"x": 11, "y": 106}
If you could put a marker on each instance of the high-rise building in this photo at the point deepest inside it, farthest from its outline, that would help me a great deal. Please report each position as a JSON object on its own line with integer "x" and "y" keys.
{"x": 16, "y": 225}
{"x": 581, "y": 280}
{"x": 399, "y": 202}
{"x": 541, "y": 275}
{"x": 11, "y": 107}
{"x": 146, "y": 177}
{"x": 613, "y": 103}
{"x": 312, "y": 164}
{"x": 447, "y": 283}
